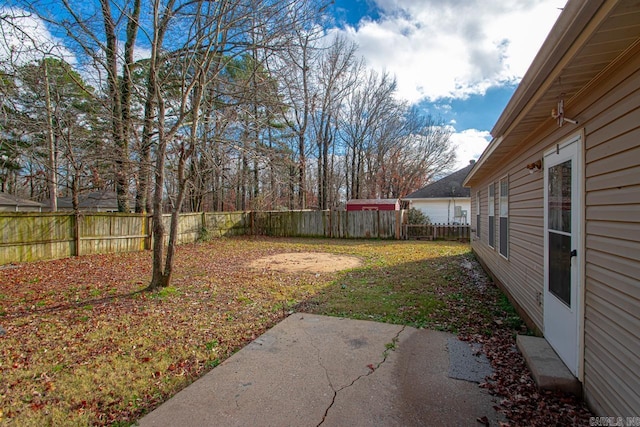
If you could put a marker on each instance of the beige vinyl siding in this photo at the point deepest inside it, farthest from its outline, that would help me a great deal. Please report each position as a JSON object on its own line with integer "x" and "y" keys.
{"x": 612, "y": 274}
{"x": 522, "y": 273}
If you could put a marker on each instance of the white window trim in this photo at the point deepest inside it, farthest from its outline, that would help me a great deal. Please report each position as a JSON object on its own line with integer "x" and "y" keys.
{"x": 478, "y": 216}
{"x": 506, "y": 179}
{"x": 491, "y": 214}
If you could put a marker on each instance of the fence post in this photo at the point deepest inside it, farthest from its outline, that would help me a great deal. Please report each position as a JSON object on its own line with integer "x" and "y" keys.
{"x": 76, "y": 232}
{"x": 149, "y": 224}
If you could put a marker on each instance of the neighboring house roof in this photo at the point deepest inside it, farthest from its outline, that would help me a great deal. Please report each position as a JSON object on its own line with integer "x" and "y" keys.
{"x": 104, "y": 200}
{"x": 11, "y": 200}
{"x": 449, "y": 186}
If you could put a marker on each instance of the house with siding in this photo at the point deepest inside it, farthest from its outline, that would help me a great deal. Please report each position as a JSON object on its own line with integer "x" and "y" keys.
{"x": 95, "y": 201}
{"x": 445, "y": 201}
{"x": 556, "y": 199}
{"x": 11, "y": 203}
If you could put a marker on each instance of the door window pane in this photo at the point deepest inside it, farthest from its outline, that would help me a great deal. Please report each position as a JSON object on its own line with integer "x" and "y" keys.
{"x": 560, "y": 266}
{"x": 560, "y": 197}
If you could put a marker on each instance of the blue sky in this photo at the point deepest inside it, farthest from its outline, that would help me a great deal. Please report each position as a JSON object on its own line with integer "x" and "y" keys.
{"x": 459, "y": 60}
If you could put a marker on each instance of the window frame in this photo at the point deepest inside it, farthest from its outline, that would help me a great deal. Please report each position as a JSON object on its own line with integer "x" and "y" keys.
{"x": 491, "y": 215}
{"x": 504, "y": 217}
{"x": 478, "y": 216}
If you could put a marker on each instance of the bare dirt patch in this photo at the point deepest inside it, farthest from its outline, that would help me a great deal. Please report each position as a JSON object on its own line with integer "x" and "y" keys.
{"x": 313, "y": 262}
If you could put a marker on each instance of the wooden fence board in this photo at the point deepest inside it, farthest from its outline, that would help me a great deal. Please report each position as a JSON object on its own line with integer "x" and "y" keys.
{"x": 112, "y": 233}
{"x": 33, "y": 236}
{"x": 222, "y": 224}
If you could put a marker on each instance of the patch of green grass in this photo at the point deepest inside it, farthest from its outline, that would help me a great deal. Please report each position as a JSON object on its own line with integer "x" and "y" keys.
{"x": 508, "y": 313}
{"x": 211, "y": 345}
{"x": 424, "y": 286}
{"x": 243, "y": 299}
{"x": 392, "y": 290}
{"x": 212, "y": 363}
{"x": 165, "y": 292}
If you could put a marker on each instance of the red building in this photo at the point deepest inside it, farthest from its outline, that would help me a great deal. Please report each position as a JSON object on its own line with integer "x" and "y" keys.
{"x": 373, "y": 205}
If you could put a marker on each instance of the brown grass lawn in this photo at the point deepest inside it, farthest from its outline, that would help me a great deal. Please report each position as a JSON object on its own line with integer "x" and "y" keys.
{"x": 85, "y": 346}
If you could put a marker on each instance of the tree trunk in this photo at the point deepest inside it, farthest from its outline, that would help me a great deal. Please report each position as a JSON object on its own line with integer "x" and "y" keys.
{"x": 53, "y": 174}
{"x": 302, "y": 174}
{"x": 143, "y": 199}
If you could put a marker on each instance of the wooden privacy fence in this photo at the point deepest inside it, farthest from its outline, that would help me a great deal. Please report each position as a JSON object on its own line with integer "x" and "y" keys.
{"x": 37, "y": 236}
{"x": 333, "y": 224}
{"x": 437, "y": 232}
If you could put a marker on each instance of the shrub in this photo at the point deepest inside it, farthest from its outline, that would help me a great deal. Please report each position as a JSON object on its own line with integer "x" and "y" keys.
{"x": 416, "y": 217}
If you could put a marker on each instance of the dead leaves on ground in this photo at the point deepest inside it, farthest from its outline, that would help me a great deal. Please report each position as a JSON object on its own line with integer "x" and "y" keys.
{"x": 84, "y": 345}
{"x": 519, "y": 398}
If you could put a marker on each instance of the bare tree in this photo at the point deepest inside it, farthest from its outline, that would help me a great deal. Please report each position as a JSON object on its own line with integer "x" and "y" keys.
{"x": 389, "y": 146}
{"x": 296, "y": 65}
{"x": 338, "y": 72}
{"x": 217, "y": 33}
{"x": 363, "y": 116}
{"x": 424, "y": 151}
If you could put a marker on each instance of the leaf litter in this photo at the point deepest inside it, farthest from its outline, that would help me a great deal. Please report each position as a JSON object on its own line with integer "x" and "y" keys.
{"x": 85, "y": 345}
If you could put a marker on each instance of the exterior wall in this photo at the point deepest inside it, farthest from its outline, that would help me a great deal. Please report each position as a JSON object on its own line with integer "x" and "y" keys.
{"x": 612, "y": 273}
{"x": 609, "y": 116}
{"x": 7, "y": 208}
{"x": 442, "y": 211}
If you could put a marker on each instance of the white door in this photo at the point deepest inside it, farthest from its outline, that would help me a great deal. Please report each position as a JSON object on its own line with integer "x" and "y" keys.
{"x": 563, "y": 247}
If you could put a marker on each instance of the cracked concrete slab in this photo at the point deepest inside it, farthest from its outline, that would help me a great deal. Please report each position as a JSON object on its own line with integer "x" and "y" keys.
{"x": 314, "y": 370}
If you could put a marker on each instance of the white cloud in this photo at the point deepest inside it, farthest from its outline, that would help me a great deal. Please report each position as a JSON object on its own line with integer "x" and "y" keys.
{"x": 470, "y": 144}
{"x": 25, "y": 38}
{"x": 454, "y": 48}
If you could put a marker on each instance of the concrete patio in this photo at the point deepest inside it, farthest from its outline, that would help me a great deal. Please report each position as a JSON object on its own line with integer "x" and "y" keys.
{"x": 312, "y": 370}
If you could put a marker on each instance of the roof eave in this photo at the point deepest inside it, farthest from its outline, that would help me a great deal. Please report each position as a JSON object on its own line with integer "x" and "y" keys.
{"x": 570, "y": 24}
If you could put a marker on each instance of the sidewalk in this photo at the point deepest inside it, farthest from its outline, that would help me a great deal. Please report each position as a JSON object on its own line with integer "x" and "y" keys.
{"x": 314, "y": 370}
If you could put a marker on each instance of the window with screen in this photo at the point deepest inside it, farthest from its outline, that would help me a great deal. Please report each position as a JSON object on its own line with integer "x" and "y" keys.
{"x": 504, "y": 217}
{"x": 491, "y": 209}
{"x": 478, "y": 214}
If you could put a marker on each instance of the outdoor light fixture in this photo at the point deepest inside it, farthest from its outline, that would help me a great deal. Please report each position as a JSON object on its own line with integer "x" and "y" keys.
{"x": 535, "y": 166}
{"x": 558, "y": 114}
